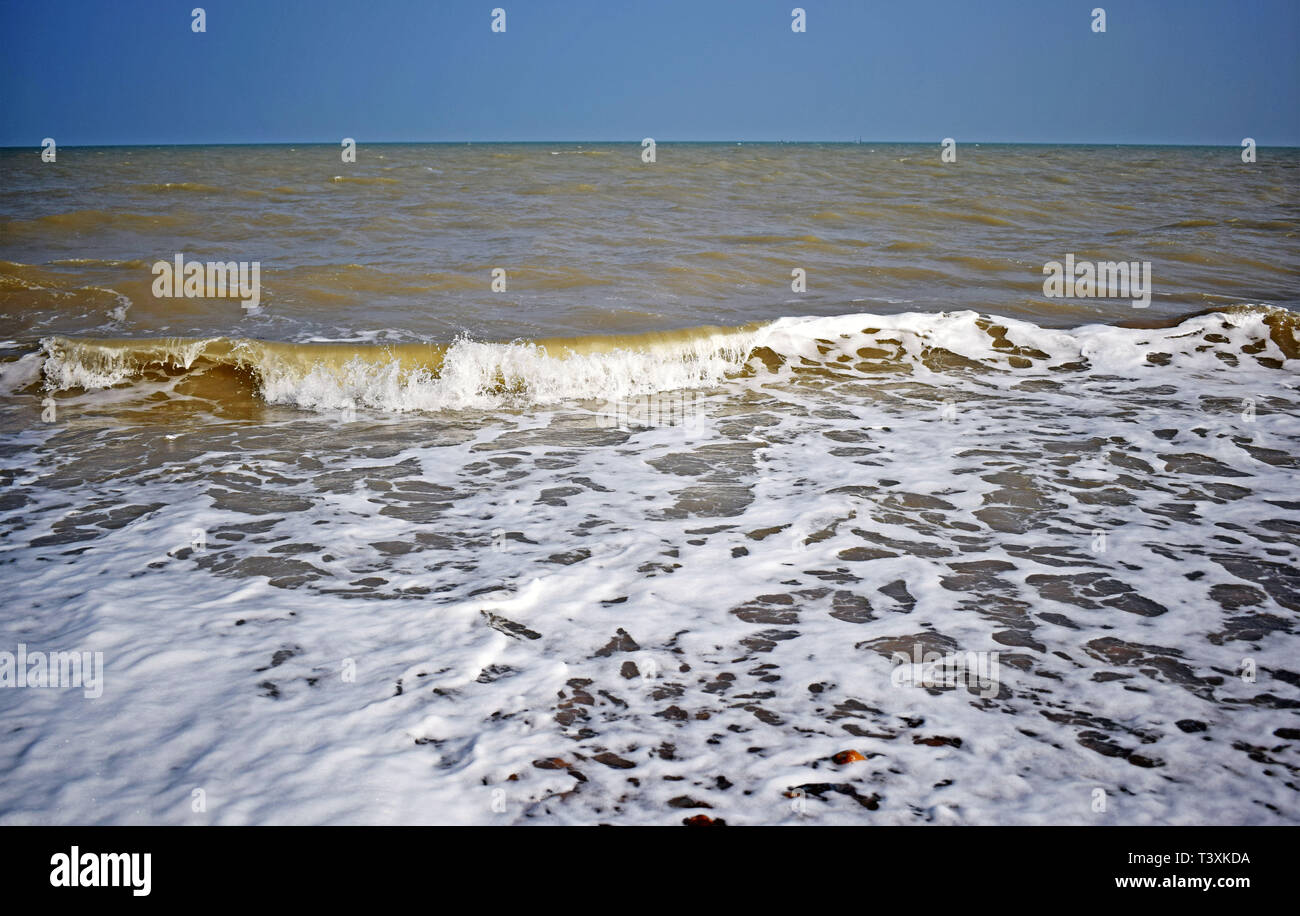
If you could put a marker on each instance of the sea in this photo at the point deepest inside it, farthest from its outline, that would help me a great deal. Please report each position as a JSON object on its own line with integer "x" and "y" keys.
{"x": 566, "y": 483}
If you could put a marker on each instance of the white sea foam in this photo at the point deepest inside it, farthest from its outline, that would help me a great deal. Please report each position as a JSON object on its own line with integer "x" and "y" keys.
{"x": 19, "y": 373}
{"x": 490, "y": 581}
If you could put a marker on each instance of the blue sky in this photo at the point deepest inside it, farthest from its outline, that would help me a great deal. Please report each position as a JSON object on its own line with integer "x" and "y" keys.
{"x": 1165, "y": 71}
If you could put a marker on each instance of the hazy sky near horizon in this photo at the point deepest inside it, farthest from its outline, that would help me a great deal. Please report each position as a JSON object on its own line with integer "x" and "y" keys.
{"x": 1165, "y": 71}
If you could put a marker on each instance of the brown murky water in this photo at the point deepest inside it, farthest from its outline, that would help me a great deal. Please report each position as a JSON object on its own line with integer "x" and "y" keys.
{"x": 616, "y": 544}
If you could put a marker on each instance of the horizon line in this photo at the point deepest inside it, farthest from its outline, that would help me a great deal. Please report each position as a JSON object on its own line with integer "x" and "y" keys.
{"x": 716, "y": 142}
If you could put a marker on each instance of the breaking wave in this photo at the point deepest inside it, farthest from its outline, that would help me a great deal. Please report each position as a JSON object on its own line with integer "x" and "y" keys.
{"x": 472, "y": 374}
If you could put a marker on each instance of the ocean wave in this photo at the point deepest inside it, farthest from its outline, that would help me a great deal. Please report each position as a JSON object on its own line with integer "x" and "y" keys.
{"x": 363, "y": 179}
{"x": 166, "y": 186}
{"x": 470, "y": 374}
{"x": 90, "y": 220}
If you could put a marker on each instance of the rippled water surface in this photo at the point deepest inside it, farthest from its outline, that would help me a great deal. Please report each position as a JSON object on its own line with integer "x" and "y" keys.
{"x": 594, "y": 240}
{"x": 643, "y": 536}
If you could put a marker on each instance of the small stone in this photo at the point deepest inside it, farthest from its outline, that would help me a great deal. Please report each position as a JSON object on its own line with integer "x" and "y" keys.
{"x": 937, "y": 741}
{"x": 610, "y": 759}
{"x": 703, "y": 820}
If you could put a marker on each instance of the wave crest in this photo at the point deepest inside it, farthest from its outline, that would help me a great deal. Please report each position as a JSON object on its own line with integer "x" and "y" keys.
{"x": 469, "y": 374}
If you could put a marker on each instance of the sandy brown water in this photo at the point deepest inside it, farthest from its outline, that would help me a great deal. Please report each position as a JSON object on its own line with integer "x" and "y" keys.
{"x": 593, "y": 240}
{"x": 617, "y": 543}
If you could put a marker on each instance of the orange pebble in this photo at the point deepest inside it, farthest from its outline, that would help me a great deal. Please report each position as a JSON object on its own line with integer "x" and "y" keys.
{"x": 844, "y": 757}
{"x": 703, "y": 820}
